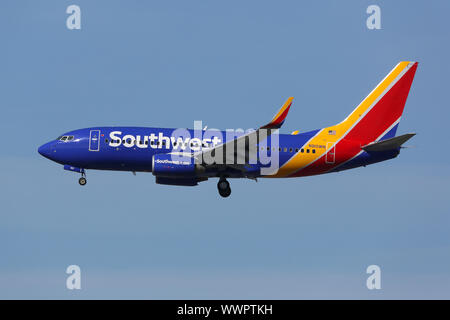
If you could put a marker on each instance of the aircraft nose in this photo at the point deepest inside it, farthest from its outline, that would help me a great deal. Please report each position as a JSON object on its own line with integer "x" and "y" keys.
{"x": 45, "y": 150}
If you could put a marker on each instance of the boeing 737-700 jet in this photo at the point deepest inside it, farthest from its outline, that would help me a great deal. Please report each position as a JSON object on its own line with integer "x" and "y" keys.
{"x": 186, "y": 157}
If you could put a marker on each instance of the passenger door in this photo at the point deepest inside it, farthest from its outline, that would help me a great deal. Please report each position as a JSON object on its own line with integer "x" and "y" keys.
{"x": 331, "y": 153}
{"x": 94, "y": 140}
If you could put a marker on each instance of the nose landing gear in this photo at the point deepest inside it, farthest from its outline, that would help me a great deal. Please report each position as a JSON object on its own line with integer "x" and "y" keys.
{"x": 82, "y": 181}
{"x": 224, "y": 187}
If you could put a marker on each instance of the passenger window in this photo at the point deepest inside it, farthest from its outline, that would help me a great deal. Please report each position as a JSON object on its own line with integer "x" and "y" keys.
{"x": 296, "y": 149}
{"x": 285, "y": 149}
{"x": 307, "y": 150}
{"x": 290, "y": 149}
{"x": 313, "y": 150}
{"x": 64, "y": 138}
{"x": 303, "y": 150}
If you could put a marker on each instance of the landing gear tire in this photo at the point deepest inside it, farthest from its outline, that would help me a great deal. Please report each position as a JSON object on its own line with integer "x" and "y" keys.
{"x": 82, "y": 181}
{"x": 224, "y": 188}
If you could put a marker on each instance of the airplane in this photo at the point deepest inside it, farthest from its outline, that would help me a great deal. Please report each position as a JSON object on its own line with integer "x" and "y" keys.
{"x": 185, "y": 157}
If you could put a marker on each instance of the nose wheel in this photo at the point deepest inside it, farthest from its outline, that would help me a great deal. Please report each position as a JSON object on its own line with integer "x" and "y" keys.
{"x": 82, "y": 181}
{"x": 224, "y": 187}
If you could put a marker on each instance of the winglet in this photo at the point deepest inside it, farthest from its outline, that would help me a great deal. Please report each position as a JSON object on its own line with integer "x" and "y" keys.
{"x": 279, "y": 118}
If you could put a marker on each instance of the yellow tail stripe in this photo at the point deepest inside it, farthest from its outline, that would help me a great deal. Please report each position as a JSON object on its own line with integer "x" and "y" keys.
{"x": 301, "y": 160}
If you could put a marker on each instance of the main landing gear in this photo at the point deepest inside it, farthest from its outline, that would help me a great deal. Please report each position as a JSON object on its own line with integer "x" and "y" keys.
{"x": 224, "y": 187}
{"x": 82, "y": 181}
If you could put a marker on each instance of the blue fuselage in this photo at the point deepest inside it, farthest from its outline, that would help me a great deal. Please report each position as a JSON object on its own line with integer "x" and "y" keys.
{"x": 132, "y": 148}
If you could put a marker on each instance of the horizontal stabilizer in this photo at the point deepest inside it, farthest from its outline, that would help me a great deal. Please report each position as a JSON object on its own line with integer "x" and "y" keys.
{"x": 388, "y": 144}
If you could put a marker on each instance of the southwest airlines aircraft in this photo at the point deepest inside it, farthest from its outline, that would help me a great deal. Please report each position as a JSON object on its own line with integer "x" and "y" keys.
{"x": 185, "y": 157}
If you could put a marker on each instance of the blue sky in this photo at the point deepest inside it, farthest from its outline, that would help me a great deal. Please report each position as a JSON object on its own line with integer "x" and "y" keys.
{"x": 230, "y": 64}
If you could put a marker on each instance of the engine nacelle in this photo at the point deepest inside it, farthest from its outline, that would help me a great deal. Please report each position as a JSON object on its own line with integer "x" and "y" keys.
{"x": 168, "y": 165}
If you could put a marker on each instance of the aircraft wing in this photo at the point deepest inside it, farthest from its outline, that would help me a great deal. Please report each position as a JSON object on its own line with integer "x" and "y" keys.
{"x": 236, "y": 153}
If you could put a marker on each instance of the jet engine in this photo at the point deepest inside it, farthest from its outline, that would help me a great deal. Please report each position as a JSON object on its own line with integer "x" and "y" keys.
{"x": 173, "y": 165}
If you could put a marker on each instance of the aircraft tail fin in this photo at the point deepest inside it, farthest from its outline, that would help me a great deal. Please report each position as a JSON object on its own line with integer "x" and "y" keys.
{"x": 377, "y": 116}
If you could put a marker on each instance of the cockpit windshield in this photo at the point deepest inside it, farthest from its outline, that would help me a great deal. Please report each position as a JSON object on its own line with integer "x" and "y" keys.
{"x": 65, "y": 138}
